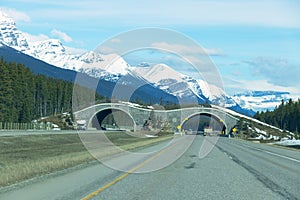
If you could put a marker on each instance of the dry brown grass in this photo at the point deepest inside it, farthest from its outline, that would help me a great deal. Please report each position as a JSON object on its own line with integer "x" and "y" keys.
{"x": 25, "y": 157}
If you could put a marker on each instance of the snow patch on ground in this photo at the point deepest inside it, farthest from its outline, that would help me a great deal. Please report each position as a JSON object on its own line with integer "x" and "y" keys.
{"x": 260, "y": 131}
{"x": 246, "y": 117}
{"x": 288, "y": 142}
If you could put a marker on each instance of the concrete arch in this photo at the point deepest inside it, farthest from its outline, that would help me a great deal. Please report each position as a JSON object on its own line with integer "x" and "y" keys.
{"x": 107, "y": 111}
{"x": 216, "y": 117}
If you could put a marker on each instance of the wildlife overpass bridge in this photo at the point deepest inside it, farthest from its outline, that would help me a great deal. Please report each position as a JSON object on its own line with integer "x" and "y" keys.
{"x": 134, "y": 118}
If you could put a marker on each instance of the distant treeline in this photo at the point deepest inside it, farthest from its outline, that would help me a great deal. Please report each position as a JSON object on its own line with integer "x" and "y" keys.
{"x": 25, "y": 96}
{"x": 286, "y": 116}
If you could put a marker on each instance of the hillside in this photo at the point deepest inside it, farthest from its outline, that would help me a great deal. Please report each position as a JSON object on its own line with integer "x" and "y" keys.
{"x": 25, "y": 96}
{"x": 249, "y": 128}
{"x": 286, "y": 116}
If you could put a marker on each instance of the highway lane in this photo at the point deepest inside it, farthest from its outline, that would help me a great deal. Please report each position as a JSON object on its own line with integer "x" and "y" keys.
{"x": 217, "y": 176}
{"x": 278, "y": 169}
{"x": 234, "y": 169}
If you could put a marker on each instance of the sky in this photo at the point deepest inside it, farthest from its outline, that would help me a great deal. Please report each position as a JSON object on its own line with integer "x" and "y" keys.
{"x": 255, "y": 44}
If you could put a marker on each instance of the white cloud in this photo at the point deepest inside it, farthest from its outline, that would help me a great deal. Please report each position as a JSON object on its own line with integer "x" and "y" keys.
{"x": 276, "y": 71}
{"x": 234, "y": 86}
{"x": 198, "y": 57}
{"x": 17, "y": 16}
{"x": 35, "y": 38}
{"x": 272, "y": 13}
{"x": 61, "y": 35}
{"x": 264, "y": 73}
{"x": 115, "y": 40}
{"x": 105, "y": 50}
{"x": 186, "y": 50}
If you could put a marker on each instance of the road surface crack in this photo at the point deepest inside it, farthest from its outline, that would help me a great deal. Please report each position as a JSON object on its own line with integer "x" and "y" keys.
{"x": 190, "y": 166}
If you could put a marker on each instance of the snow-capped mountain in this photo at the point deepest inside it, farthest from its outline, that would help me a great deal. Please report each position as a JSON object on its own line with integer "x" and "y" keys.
{"x": 261, "y": 100}
{"x": 53, "y": 52}
{"x": 180, "y": 85}
{"x": 169, "y": 80}
{"x": 95, "y": 64}
{"x": 10, "y": 35}
{"x": 216, "y": 95}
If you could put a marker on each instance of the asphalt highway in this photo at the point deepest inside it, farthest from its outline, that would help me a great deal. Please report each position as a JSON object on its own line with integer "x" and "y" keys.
{"x": 234, "y": 169}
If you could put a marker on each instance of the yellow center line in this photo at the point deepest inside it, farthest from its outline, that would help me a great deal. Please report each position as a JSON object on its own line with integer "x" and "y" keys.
{"x": 96, "y": 192}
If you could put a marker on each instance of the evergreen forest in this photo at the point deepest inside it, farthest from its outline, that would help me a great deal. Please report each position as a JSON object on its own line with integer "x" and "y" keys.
{"x": 25, "y": 96}
{"x": 286, "y": 116}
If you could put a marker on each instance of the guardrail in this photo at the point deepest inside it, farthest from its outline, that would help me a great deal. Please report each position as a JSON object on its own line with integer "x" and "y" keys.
{"x": 25, "y": 126}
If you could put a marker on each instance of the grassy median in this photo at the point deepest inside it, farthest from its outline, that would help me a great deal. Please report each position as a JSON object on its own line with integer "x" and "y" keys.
{"x": 25, "y": 157}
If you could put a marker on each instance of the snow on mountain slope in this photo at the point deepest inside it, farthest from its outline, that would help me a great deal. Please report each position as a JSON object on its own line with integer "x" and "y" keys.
{"x": 158, "y": 73}
{"x": 111, "y": 63}
{"x": 91, "y": 63}
{"x": 97, "y": 65}
{"x": 216, "y": 94}
{"x": 53, "y": 52}
{"x": 174, "y": 82}
{"x": 261, "y": 100}
{"x": 167, "y": 79}
{"x": 10, "y": 35}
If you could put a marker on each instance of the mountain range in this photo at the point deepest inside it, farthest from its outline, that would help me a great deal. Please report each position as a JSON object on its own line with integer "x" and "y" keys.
{"x": 261, "y": 100}
{"x": 148, "y": 83}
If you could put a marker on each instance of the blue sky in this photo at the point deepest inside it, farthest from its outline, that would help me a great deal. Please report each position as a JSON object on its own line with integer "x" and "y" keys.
{"x": 255, "y": 44}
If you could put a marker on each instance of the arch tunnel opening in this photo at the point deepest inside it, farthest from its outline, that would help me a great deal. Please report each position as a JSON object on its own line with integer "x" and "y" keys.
{"x": 204, "y": 124}
{"x": 113, "y": 120}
